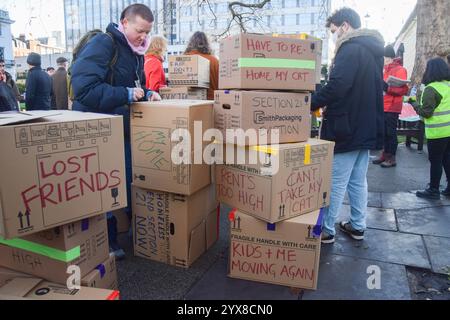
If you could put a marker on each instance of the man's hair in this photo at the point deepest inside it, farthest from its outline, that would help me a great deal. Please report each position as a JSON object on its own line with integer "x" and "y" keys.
{"x": 344, "y": 15}
{"x": 199, "y": 42}
{"x": 158, "y": 45}
{"x": 448, "y": 59}
{"x": 2, "y": 60}
{"x": 137, "y": 9}
{"x": 50, "y": 68}
{"x": 437, "y": 70}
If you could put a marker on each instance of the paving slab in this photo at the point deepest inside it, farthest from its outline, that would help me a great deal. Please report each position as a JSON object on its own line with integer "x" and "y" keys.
{"x": 216, "y": 285}
{"x": 439, "y": 252}
{"x": 141, "y": 279}
{"x": 343, "y": 278}
{"x": 384, "y": 246}
{"x": 428, "y": 221}
{"x": 373, "y": 200}
{"x": 376, "y": 218}
{"x": 409, "y": 201}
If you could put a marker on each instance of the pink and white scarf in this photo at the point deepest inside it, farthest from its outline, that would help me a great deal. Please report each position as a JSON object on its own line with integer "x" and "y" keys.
{"x": 142, "y": 49}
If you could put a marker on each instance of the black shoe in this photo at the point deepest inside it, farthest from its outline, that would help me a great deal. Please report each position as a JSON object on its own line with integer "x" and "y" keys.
{"x": 327, "y": 238}
{"x": 446, "y": 192}
{"x": 378, "y": 161}
{"x": 429, "y": 193}
{"x": 352, "y": 232}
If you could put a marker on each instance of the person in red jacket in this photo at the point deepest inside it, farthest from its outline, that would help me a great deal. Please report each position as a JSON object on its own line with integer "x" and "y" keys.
{"x": 153, "y": 67}
{"x": 393, "y": 103}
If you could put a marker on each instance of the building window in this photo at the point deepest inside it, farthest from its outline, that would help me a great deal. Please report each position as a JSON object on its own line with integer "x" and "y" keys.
{"x": 283, "y": 5}
{"x": 2, "y": 53}
{"x": 282, "y": 19}
{"x": 291, "y": 3}
{"x": 268, "y": 20}
{"x": 290, "y": 20}
{"x": 313, "y": 4}
{"x": 312, "y": 18}
{"x": 1, "y": 29}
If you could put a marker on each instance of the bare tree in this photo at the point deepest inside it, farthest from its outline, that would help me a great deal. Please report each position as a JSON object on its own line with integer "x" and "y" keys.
{"x": 240, "y": 15}
{"x": 433, "y": 36}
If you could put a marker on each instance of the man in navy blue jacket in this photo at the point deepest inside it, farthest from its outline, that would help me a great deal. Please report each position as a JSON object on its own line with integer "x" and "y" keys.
{"x": 353, "y": 117}
{"x": 103, "y": 85}
{"x": 38, "y": 92}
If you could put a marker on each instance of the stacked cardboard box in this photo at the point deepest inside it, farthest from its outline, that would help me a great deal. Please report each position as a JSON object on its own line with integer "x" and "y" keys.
{"x": 20, "y": 286}
{"x": 277, "y": 198}
{"x": 174, "y": 203}
{"x": 188, "y": 78}
{"x": 61, "y": 171}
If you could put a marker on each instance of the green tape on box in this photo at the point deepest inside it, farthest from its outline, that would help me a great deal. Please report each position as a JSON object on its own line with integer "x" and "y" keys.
{"x": 55, "y": 254}
{"x": 276, "y": 63}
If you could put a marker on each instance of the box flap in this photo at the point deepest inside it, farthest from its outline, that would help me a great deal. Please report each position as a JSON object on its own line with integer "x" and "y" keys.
{"x": 19, "y": 287}
{"x": 7, "y": 118}
{"x": 182, "y": 104}
{"x": 197, "y": 243}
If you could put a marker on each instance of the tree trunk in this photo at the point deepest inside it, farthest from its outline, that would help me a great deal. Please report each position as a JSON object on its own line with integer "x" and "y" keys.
{"x": 433, "y": 36}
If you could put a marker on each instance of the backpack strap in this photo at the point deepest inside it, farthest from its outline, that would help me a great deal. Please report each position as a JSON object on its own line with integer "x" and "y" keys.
{"x": 114, "y": 58}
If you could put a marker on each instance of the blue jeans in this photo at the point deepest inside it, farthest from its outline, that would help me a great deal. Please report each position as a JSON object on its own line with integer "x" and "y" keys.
{"x": 349, "y": 174}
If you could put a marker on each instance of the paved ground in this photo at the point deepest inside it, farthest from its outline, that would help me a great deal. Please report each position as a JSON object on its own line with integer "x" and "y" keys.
{"x": 407, "y": 238}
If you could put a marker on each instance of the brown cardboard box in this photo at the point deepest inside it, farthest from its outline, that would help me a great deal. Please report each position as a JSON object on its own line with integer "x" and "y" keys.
{"x": 301, "y": 184}
{"x": 123, "y": 222}
{"x": 20, "y": 286}
{"x": 173, "y": 228}
{"x": 48, "y": 254}
{"x": 104, "y": 276}
{"x": 59, "y": 169}
{"x": 152, "y": 125}
{"x": 191, "y": 71}
{"x": 251, "y": 61}
{"x": 318, "y": 43}
{"x": 286, "y": 111}
{"x": 183, "y": 93}
{"x": 285, "y": 253}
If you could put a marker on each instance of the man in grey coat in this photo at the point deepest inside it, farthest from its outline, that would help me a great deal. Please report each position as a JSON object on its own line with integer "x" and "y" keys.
{"x": 60, "y": 98}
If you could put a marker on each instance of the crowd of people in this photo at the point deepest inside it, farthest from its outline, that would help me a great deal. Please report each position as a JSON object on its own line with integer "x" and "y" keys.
{"x": 361, "y": 107}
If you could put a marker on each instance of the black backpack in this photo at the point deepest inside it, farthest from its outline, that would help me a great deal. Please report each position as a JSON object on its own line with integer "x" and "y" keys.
{"x": 80, "y": 45}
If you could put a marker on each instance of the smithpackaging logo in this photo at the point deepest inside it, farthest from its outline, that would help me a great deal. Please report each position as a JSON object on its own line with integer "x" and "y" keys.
{"x": 259, "y": 117}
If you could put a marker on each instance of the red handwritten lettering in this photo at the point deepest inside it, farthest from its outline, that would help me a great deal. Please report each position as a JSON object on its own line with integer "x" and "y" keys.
{"x": 258, "y": 75}
{"x": 258, "y": 45}
{"x": 26, "y": 200}
{"x": 299, "y": 76}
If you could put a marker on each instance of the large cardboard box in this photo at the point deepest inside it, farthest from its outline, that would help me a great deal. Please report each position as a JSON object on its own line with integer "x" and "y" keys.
{"x": 19, "y": 286}
{"x": 287, "y": 180}
{"x": 58, "y": 169}
{"x": 252, "y": 61}
{"x": 152, "y": 126}
{"x": 104, "y": 276}
{"x": 287, "y": 112}
{"x": 173, "y": 228}
{"x": 48, "y": 254}
{"x": 285, "y": 253}
{"x": 183, "y": 93}
{"x": 189, "y": 70}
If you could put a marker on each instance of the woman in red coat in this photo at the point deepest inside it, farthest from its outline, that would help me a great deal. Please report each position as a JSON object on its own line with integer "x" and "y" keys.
{"x": 393, "y": 103}
{"x": 153, "y": 67}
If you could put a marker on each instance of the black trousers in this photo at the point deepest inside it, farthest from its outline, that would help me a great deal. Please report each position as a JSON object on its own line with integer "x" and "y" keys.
{"x": 439, "y": 156}
{"x": 390, "y": 132}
